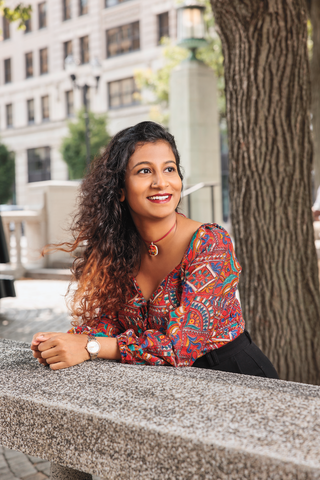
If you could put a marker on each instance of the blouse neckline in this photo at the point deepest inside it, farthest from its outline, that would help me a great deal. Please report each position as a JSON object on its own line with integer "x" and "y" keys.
{"x": 154, "y": 294}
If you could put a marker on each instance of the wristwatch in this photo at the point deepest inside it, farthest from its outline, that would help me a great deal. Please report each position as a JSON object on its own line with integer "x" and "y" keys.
{"x": 93, "y": 347}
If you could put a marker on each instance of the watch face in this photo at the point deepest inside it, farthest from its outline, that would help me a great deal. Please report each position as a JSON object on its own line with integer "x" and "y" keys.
{"x": 93, "y": 346}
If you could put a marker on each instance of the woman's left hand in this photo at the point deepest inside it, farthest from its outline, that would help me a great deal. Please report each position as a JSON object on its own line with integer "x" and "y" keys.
{"x": 62, "y": 350}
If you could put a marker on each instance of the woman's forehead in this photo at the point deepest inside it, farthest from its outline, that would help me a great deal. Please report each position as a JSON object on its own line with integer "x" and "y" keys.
{"x": 152, "y": 152}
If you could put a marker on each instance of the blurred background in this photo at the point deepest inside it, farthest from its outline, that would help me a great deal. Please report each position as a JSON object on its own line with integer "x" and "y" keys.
{"x": 75, "y": 72}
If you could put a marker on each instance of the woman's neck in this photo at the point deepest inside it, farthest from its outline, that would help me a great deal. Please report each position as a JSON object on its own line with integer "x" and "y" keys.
{"x": 159, "y": 230}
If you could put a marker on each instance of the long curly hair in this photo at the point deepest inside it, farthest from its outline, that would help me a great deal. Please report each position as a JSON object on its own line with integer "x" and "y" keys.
{"x": 103, "y": 228}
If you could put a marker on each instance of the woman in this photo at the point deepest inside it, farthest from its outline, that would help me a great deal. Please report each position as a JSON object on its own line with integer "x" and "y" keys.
{"x": 154, "y": 287}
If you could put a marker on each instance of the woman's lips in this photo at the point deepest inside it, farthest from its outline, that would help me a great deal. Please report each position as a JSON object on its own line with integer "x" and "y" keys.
{"x": 160, "y": 198}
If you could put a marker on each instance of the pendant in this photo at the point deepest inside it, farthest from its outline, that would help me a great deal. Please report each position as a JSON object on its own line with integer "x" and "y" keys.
{"x": 153, "y": 250}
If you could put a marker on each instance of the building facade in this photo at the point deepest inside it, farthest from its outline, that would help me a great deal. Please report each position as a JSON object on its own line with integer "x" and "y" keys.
{"x": 37, "y": 96}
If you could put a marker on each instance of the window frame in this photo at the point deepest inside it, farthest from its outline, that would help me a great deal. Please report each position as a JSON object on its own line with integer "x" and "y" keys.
{"x": 82, "y": 8}
{"x": 29, "y": 55}
{"x": 42, "y": 15}
{"x": 65, "y": 54}
{"x": 45, "y": 108}
{"x": 117, "y": 2}
{"x": 7, "y": 71}
{"x": 69, "y": 105}
{"x": 28, "y": 25}
{"x": 9, "y": 114}
{"x": 66, "y": 7}
{"x": 6, "y": 29}
{"x": 160, "y": 27}
{"x": 44, "y": 62}
{"x": 82, "y": 51}
{"x": 39, "y": 175}
{"x": 122, "y": 93}
{"x": 118, "y": 31}
{"x": 30, "y": 121}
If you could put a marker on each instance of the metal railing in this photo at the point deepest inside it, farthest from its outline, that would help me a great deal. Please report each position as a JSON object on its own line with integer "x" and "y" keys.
{"x": 194, "y": 188}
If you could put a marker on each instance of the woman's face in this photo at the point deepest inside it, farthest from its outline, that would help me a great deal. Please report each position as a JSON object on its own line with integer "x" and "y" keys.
{"x": 152, "y": 183}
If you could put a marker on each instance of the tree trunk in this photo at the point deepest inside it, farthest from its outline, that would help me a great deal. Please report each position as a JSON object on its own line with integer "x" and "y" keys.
{"x": 315, "y": 87}
{"x": 268, "y": 101}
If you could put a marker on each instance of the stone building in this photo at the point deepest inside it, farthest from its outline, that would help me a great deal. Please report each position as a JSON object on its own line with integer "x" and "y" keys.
{"x": 36, "y": 94}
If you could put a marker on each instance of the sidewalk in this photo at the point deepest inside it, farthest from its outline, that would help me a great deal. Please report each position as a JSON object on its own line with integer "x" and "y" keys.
{"x": 39, "y": 306}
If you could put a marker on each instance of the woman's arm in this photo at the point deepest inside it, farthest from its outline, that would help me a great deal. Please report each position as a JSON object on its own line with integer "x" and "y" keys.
{"x": 62, "y": 350}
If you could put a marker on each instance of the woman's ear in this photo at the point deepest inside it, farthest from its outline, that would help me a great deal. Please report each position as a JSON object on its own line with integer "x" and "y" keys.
{"x": 122, "y": 195}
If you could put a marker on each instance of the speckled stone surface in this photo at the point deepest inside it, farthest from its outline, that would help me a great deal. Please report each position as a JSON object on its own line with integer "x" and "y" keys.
{"x": 159, "y": 423}
{"x": 65, "y": 473}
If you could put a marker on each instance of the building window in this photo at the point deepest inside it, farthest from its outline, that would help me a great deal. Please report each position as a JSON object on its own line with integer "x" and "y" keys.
{"x": 9, "y": 115}
{"x": 123, "y": 39}
{"x": 123, "y": 93}
{"x": 30, "y": 109}
{"x": 83, "y": 7}
{"x": 69, "y": 103}
{"x": 5, "y": 28}
{"x": 66, "y": 9}
{"x": 67, "y": 50}
{"x": 45, "y": 108}
{"x": 29, "y": 65}
{"x": 163, "y": 26}
{"x": 28, "y": 26}
{"x": 42, "y": 10}
{"x": 44, "y": 61}
{"x": 7, "y": 71}
{"x": 84, "y": 49}
{"x": 38, "y": 164}
{"x": 111, "y": 3}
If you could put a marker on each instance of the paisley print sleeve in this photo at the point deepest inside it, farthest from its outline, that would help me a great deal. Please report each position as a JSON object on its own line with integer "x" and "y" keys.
{"x": 208, "y": 316}
{"x": 107, "y": 327}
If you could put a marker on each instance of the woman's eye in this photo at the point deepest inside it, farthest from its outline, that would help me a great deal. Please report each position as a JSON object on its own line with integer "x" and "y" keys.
{"x": 170, "y": 169}
{"x": 144, "y": 170}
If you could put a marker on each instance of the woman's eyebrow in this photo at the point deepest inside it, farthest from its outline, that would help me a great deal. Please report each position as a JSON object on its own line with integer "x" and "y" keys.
{"x": 145, "y": 162}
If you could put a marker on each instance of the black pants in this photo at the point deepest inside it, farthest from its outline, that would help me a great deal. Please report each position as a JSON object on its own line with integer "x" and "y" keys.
{"x": 239, "y": 356}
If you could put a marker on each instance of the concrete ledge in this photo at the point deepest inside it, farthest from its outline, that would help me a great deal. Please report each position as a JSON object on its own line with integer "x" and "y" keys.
{"x": 139, "y": 422}
{"x": 49, "y": 274}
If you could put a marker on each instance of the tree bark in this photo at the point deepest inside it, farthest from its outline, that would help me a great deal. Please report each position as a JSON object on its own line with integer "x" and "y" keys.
{"x": 268, "y": 101}
{"x": 314, "y": 10}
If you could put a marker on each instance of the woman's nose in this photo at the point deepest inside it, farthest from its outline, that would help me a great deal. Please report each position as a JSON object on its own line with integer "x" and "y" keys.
{"x": 159, "y": 180}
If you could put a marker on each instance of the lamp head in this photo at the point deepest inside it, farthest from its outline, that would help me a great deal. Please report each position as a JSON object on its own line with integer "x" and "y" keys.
{"x": 96, "y": 69}
{"x": 70, "y": 65}
{"x": 191, "y": 26}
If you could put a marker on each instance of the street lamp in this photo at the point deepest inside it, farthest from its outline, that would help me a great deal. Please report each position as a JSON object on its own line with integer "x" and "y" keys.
{"x": 71, "y": 67}
{"x": 191, "y": 27}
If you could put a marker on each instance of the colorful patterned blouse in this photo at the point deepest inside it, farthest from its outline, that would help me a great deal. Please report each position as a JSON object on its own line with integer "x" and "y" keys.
{"x": 194, "y": 309}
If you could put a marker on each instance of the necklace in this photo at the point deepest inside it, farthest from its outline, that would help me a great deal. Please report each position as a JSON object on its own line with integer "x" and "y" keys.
{"x": 153, "y": 249}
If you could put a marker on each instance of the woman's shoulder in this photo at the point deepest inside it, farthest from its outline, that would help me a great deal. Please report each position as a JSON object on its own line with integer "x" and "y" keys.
{"x": 209, "y": 237}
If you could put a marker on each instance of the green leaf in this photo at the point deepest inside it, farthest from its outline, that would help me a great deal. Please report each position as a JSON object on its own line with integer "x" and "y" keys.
{"x": 20, "y": 13}
{"x": 73, "y": 147}
{"x": 7, "y": 173}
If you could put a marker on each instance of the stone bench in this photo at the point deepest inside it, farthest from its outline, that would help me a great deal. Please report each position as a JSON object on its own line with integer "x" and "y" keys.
{"x": 160, "y": 423}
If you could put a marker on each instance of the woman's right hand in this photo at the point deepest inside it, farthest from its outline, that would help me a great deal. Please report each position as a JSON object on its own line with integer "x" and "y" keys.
{"x": 36, "y": 340}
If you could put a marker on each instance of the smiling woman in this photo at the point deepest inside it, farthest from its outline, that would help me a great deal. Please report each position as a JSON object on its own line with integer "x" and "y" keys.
{"x": 155, "y": 287}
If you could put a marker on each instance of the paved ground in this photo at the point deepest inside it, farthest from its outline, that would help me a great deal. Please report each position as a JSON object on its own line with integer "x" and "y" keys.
{"x": 39, "y": 306}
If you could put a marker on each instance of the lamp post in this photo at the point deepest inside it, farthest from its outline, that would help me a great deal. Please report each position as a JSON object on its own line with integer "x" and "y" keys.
{"x": 191, "y": 27}
{"x": 71, "y": 67}
{"x": 194, "y": 118}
